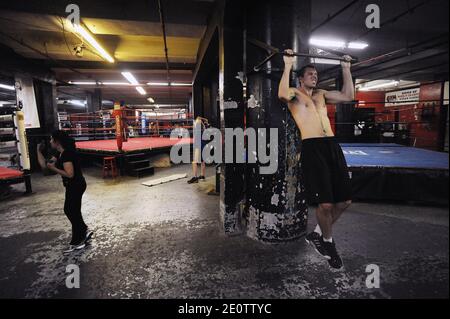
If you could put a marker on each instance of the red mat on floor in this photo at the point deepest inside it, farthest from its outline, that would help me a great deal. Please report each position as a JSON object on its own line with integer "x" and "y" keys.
{"x": 9, "y": 173}
{"x": 133, "y": 144}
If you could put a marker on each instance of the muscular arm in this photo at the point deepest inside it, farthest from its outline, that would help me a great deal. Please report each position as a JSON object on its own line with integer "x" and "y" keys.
{"x": 347, "y": 94}
{"x": 285, "y": 93}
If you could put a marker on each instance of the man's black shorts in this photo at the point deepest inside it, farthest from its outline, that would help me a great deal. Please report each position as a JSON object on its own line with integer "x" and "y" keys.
{"x": 325, "y": 173}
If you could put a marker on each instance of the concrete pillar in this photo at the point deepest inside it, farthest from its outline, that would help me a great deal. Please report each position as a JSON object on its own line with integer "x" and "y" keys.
{"x": 94, "y": 101}
{"x": 51, "y": 107}
{"x": 232, "y": 178}
{"x": 197, "y": 99}
{"x": 276, "y": 204}
{"x": 344, "y": 116}
{"x": 265, "y": 207}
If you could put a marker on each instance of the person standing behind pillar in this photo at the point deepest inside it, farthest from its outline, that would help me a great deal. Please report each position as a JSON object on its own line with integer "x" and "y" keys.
{"x": 198, "y": 128}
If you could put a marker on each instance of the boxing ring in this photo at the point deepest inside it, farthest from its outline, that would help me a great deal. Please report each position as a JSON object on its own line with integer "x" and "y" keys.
{"x": 133, "y": 157}
{"x": 132, "y": 145}
{"x": 130, "y": 136}
{"x": 397, "y": 172}
{"x": 14, "y": 147}
{"x": 9, "y": 176}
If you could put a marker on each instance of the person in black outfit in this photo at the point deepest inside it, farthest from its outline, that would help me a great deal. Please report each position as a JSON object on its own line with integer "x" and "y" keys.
{"x": 67, "y": 165}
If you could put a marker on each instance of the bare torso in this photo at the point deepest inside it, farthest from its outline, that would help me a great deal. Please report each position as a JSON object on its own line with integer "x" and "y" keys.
{"x": 310, "y": 115}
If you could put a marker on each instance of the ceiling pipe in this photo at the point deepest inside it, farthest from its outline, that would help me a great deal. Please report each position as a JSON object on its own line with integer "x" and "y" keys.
{"x": 49, "y": 58}
{"x": 329, "y": 18}
{"x": 392, "y": 20}
{"x": 383, "y": 56}
{"x": 409, "y": 71}
{"x": 358, "y": 74}
{"x": 163, "y": 27}
{"x": 402, "y": 64}
{"x": 21, "y": 42}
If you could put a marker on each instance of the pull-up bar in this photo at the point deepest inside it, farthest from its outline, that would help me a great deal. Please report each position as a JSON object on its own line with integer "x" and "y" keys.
{"x": 275, "y": 51}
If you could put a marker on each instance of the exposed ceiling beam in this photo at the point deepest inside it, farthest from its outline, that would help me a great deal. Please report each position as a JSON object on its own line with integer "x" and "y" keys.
{"x": 120, "y": 65}
{"x": 408, "y": 72}
{"x": 331, "y": 17}
{"x": 392, "y": 20}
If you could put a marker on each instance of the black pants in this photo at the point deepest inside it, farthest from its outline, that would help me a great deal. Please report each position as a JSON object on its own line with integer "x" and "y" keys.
{"x": 72, "y": 209}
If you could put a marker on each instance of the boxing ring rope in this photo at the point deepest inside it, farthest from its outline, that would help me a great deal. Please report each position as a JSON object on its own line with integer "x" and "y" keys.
{"x": 14, "y": 145}
{"x": 101, "y": 125}
{"x": 107, "y": 125}
{"x": 411, "y": 123}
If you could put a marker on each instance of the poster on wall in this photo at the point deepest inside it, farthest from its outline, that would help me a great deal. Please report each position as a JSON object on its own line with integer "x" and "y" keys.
{"x": 26, "y": 98}
{"x": 403, "y": 97}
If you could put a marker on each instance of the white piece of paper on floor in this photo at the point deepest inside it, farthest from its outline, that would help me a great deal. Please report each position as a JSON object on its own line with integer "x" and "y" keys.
{"x": 163, "y": 180}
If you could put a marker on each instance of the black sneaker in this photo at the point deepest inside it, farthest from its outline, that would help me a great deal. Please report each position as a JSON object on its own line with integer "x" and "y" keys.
{"x": 88, "y": 236}
{"x": 316, "y": 240}
{"x": 335, "y": 260}
{"x": 201, "y": 178}
{"x": 193, "y": 180}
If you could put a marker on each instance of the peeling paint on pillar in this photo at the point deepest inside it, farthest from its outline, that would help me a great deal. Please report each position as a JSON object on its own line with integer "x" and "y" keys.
{"x": 277, "y": 209}
{"x": 267, "y": 207}
{"x": 230, "y": 218}
{"x": 277, "y": 206}
{"x": 230, "y": 212}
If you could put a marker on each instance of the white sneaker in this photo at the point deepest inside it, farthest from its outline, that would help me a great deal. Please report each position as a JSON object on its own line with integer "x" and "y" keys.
{"x": 72, "y": 248}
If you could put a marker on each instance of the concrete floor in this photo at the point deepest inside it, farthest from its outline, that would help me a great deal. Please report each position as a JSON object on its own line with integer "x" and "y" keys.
{"x": 165, "y": 242}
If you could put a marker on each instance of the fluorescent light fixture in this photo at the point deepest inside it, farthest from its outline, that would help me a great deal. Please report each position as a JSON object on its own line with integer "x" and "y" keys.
{"x": 130, "y": 77}
{"x": 180, "y": 84}
{"x": 331, "y": 43}
{"x": 141, "y": 90}
{"x": 77, "y": 102}
{"x": 83, "y": 83}
{"x": 151, "y": 100}
{"x": 158, "y": 83}
{"x": 357, "y": 45}
{"x": 116, "y": 83}
{"x": 379, "y": 86}
{"x": 90, "y": 39}
{"x": 168, "y": 84}
{"x": 170, "y": 105}
{"x": 7, "y": 87}
{"x": 328, "y": 43}
{"x": 325, "y": 61}
{"x": 100, "y": 83}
